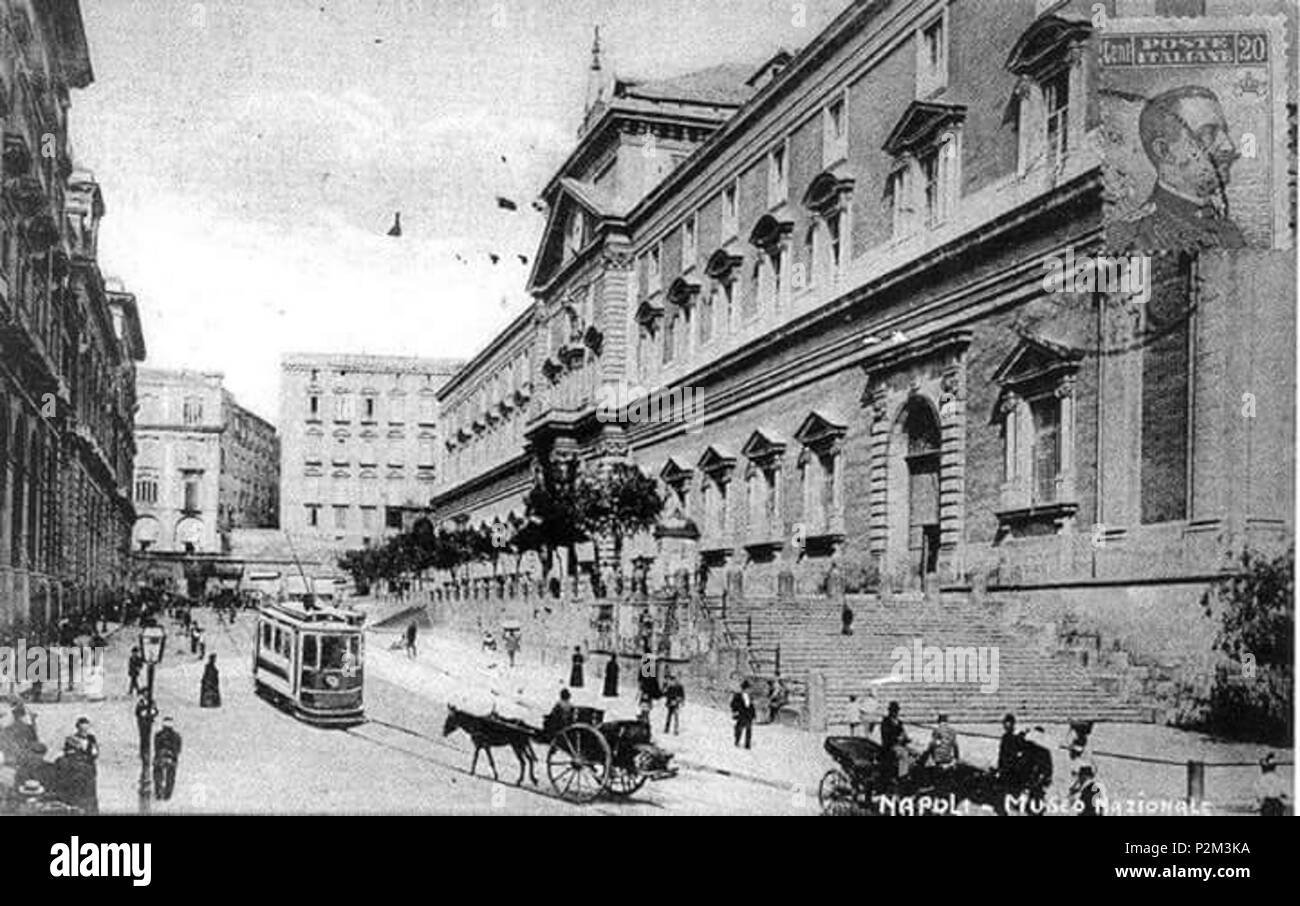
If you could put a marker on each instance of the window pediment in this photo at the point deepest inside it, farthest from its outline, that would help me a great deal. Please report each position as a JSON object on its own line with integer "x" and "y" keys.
{"x": 722, "y": 265}
{"x": 921, "y": 124}
{"x": 827, "y": 191}
{"x": 649, "y": 312}
{"x": 1035, "y": 362}
{"x": 717, "y": 462}
{"x": 770, "y": 232}
{"x": 683, "y": 290}
{"x": 820, "y": 431}
{"x": 675, "y": 472}
{"x": 764, "y": 448}
{"x": 1045, "y": 43}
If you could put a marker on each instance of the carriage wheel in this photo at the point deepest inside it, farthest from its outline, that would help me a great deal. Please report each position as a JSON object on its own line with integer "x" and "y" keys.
{"x": 624, "y": 782}
{"x": 578, "y": 763}
{"x": 836, "y": 794}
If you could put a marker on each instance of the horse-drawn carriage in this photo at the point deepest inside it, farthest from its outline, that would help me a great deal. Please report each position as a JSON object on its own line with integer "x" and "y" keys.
{"x": 869, "y": 780}
{"x": 586, "y": 756}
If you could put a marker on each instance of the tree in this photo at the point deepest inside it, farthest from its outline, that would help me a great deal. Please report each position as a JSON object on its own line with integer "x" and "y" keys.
{"x": 626, "y": 502}
{"x": 1253, "y": 694}
{"x": 554, "y": 509}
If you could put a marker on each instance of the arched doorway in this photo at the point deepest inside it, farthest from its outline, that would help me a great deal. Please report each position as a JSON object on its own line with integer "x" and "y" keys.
{"x": 914, "y": 493}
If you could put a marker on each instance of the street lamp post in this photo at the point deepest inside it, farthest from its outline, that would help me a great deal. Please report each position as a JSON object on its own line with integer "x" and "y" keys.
{"x": 153, "y": 639}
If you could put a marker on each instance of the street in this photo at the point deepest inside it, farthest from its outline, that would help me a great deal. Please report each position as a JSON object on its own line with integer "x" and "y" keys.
{"x": 248, "y": 757}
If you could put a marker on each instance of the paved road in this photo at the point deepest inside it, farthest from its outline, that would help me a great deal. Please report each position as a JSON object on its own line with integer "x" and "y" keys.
{"x": 249, "y": 757}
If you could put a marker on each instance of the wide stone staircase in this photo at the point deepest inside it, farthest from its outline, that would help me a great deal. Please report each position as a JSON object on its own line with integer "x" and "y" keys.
{"x": 802, "y": 641}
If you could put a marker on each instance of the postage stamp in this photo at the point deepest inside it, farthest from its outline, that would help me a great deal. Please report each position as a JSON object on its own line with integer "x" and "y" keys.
{"x": 1194, "y": 133}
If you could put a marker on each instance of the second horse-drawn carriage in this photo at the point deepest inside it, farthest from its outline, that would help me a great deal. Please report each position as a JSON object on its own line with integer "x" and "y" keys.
{"x": 869, "y": 781}
{"x": 586, "y": 755}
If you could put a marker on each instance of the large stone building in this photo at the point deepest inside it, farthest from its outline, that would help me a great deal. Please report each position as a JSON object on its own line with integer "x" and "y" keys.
{"x": 358, "y": 438}
{"x": 204, "y": 465}
{"x": 827, "y": 278}
{"x": 68, "y": 342}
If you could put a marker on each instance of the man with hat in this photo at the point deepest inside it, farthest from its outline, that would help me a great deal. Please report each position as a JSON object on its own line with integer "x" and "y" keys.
{"x": 893, "y": 740}
{"x": 167, "y": 754}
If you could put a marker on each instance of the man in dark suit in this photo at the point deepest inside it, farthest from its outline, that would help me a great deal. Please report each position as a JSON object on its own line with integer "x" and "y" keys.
{"x": 742, "y": 711}
{"x": 167, "y": 752}
{"x": 1185, "y": 136}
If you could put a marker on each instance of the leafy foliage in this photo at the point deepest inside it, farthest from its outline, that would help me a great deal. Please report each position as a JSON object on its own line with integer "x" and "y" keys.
{"x": 1253, "y": 693}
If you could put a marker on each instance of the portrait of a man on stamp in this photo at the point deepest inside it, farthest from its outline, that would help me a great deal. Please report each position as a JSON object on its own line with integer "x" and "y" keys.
{"x": 1192, "y": 141}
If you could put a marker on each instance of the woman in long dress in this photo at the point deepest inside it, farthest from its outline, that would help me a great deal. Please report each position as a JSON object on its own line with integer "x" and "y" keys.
{"x": 611, "y": 677}
{"x": 575, "y": 675}
{"x": 210, "y": 687}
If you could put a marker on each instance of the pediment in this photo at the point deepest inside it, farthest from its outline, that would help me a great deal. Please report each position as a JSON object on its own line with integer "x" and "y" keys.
{"x": 770, "y": 231}
{"x": 920, "y": 124}
{"x": 763, "y": 444}
{"x": 1044, "y": 43}
{"x": 717, "y": 459}
{"x": 722, "y": 265}
{"x": 570, "y": 195}
{"x": 827, "y": 189}
{"x": 1034, "y": 358}
{"x": 820, "y": 428}
{"x": 675, "y": 471}
{"x": 683, "y": 290}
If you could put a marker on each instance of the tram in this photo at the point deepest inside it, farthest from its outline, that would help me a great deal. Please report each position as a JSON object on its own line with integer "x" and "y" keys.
{"x": 309, "y": 660}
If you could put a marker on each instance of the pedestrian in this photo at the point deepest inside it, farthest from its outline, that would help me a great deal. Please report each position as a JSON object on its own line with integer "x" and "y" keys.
{"x": 562, "y": 714}
{"x": 943, "y": 752}
{"x": 575, "y": 674}
{"x": 1009, "y": 750}
{"x": 194, "y": 637}
{"x": 512, "y": 644}
{"x": 893, "y": 742}
{"x": 411, "y": 632}
{"x": 210, "y": 685}
{"x": 203, "y": 644}
{"x": 846, "y": 620}
{"x": 674, "y": 700}
{"x": 743, "y": 713}
{"x": 77, "y": 768}
{"x": 133, "y": 665}
{"x": 166, "y": 757}
{"x": 611, "y": 677}
{"x": 1271, "y": 789}
{"x": 20, "y": 746}
{"x": 648, "y": 680}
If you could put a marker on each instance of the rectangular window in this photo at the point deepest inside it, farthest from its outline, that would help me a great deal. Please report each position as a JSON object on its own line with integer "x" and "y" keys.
{"x": 313, "y": 515}
{"x": 653, "y": 273}
{"x": 192, "y": 410}
{"x": 1056, "y": 95}
{"x": 370, "y": 408}
{"x": 368, "y": 517}
{"x": 706, "y": 315}
{"x": 834, "y": 231}
{"x": 835, "y": 145}
{"x": 191, "y": 493}
{"x": 898, "y": 202}
{"x": 340, "y": 517}
{"x": 342, "y": 408}
{"x": 778, "y": 184}
{"x": 146, "y": 490}
{"x": 393, "y": 517}
{"x": 1046, "y": 414}
{"x": 670, "y": 337}
{"x": 932, "y": 58}
{"x": 313, "y": 406}
{"x": 730, "y": 217}
{"x": 690, "y": 250}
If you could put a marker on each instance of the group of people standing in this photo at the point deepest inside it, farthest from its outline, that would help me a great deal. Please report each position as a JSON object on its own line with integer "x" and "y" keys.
{"x": 649, "y": 687}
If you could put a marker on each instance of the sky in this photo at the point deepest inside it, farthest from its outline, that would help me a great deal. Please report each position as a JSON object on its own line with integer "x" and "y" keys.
{"x": 252, "y": 156}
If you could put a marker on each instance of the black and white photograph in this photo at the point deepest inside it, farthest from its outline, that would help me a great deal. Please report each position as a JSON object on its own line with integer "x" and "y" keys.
{"x": 802, "y": 408}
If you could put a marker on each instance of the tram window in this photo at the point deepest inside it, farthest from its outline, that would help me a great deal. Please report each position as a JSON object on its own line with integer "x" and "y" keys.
{"x": 266, "y": 636}
{"x": 277, "y": 640}
{"x": 331, "y": 652}
{"x": 354, "y": 646}
{"x": 309, "y": 652}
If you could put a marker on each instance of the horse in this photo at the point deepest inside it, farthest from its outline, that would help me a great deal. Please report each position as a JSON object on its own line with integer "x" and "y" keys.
{"x": 488, "y": 733}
